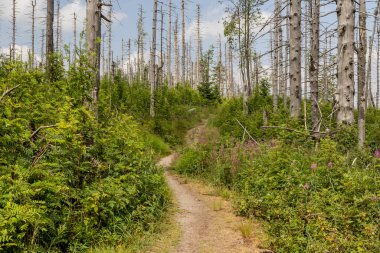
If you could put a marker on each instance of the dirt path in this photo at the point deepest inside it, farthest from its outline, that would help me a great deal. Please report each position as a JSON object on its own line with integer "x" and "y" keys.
{"x": 207, "y": 221}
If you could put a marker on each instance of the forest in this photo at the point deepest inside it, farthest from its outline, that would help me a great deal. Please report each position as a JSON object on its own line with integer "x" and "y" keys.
{"x": 189, "y": 126}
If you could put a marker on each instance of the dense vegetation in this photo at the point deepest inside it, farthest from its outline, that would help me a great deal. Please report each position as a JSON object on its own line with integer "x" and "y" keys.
{"x": 314, "y": 193}
{"x": 73, "y": 177}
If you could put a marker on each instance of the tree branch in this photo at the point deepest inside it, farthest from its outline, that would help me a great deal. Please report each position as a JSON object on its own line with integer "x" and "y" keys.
{"x": 8, "y": 91}
{"x": 41, "y": 128}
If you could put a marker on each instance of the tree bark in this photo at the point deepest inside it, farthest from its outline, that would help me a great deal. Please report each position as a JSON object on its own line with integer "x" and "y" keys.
{"x": 295, "y": 58}
{"x": 169, "y": 54}
{"x": 49, "y": 36}
{"x": 183, "y": 44}
{"x": 362, "y": 53}
{"x": 314, "y": 63}
{"x": 153, "y": 61}
{"x": 344, "y": 94}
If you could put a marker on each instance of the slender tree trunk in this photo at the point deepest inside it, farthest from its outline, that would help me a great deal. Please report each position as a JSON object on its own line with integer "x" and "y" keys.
{"x": 93, "y": 35}
{"x": 13, "y": 51}
{"x": 109, "y": 65}
{"x": 308, "y": 8}
{"x": 169, "y": 54}
{"x": 49, "y": 36}
{"x": 276, "y": 54}
{"x": 362, "y": 53}
{"x": 183, "y": 44}
{"x": 314, "y": 62}
{"x": 295, "y": 58}
{"x": 176, "y": 52}
{"x": 287, "y": 60}
{"x": 378, "y": 67}
{"x": 57, "y": 27}
{"x": 34, "y": 4}
{"x": 199, "y": 46}
{"x": 153, "y": 61}
{"x": 344, "y": 94}
{"x": 42, "y": 47}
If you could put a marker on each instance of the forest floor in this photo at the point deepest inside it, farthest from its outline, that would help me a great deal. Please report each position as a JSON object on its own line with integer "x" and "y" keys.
{"x": 206, "y": 220}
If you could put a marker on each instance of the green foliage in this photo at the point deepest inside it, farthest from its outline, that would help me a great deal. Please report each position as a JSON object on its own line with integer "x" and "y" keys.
{"x": 69, "y": 181}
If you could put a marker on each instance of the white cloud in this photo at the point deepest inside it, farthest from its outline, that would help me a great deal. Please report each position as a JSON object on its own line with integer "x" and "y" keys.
{"x": 21, "y": 52}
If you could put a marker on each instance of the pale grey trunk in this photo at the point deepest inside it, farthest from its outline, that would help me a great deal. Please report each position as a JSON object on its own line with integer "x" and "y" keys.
{"x": 362, "y": 51}
{"x": 295, "y": 58}
{"x": 169, "y": 53}
{"x": 344, "y": 94}
{"x": 13, "y": 50}
{"x": 276, "y": 54}
{"x": 93, "y": 35}
{"x": 49, "y": 35}
{"x": 153, "y": 61}
{"x": 378, "y": 67}
{"x": 314, "y": 63}
{"x": 183, "y": 44}
{"x": 34, "y": 3}
{"x": 176, "y": 52}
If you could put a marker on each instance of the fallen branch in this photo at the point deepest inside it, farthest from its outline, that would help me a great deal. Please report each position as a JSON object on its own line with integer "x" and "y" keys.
{"x": 8, "y": 91}
{"x": 246, "y": 131}
{"x": 41, "y": 128}
{"x": 284, "y": 128}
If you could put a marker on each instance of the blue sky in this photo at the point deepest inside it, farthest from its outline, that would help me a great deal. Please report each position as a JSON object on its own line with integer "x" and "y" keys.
{"x": 125, "y": 18}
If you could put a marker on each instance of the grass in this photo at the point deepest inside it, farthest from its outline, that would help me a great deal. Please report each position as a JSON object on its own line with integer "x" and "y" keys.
{"x": 161, "y": 239}
{"x": 217, "y": 205}
{"x": 246, "y": 229}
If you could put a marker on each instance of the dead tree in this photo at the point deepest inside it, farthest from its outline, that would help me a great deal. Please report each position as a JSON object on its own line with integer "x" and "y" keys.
{"x": 276, "y": 53}
{"x": 314, "y": 62}
{"x": 153, "y": 61}
{"x": 109, "y": 62}
{"x": 199, "y": 47}
{"x": 140, "y": 43}
{"x": 42, "y": 47}
{"x": 169, "y": 49}
{"x": 13, "y": 51}
{"x": 183, "y": 44}
{"x": 94, "y": 17}
{"x": 344, "y": 94}
{"x": 295, "y": 58}
{"x": 176, "y": 52}
{"x": 49, "y": 37}
{"x": 34, "y": 4}
{"x": 378, "y": 67}
{"x": 57, "y": 27}
{"x": 362, "y": 54}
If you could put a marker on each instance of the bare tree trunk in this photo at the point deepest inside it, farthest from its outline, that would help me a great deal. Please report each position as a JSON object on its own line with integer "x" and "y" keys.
{"x": 109, "y": 65}
{"x": 276, "y": 54}
{"x": 295, "y": 58}
{"x": 93, "y": 35}
{"x": 130, "y": 72}
{"x": 362, "y": 53}
{"x": 344, "y": 94}
{"x": 281, "y": 78}
{"x": 378, "y": 67}
{"x": 153, "y": 61}
{"x": 325, "y": 72}
{"x": 13, "y": 51}
{"x": 49, "y": 36}
{"x": 57, "y": 27}
{"x": 169, "y": 63}
{"x": 231, "y": 68}
{"x": 42, "y": 47}
{"x": 199, "y": 46}
{"x": 161, "y": 68}
{"x": 176, "y": 52}
{"x": 75, "y": 39}
{"x": 140, "y": 43}
{"x": 34, "y": 4}
{"x": 308, "y": 8}
{"x": 287, "y": 61}
{"x": 314, "y": 62}
{"x": 183, "y": 43}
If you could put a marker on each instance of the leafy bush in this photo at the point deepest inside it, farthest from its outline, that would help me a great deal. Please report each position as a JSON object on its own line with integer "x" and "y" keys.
{"x": 68, "y": 180}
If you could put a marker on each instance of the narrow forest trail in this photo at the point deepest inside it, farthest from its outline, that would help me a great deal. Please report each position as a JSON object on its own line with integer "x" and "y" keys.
{"x": 204, "y": 227}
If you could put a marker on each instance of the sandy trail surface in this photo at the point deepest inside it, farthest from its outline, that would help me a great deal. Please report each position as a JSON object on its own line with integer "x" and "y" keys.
{"x": 206, "y": 220}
